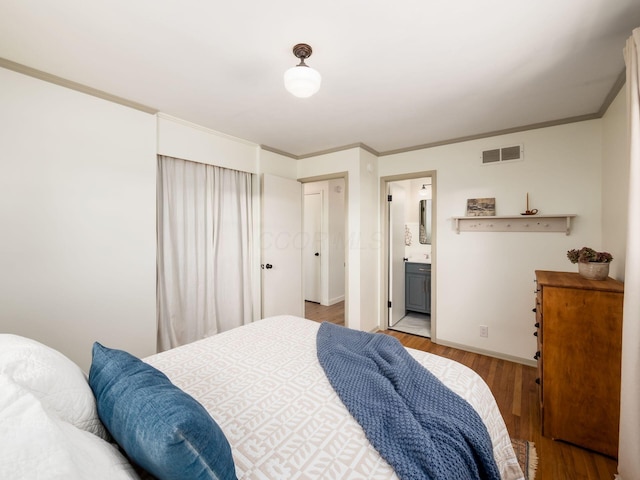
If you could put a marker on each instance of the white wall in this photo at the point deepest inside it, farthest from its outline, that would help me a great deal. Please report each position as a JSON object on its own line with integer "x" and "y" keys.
{"x": 487, "y": 278}
{"x": 276, "y": 164}
{"x": 77, "y": 212}
{"x": 481, "y": 278}
{"x": 362, "y": 233}
{"x": 615, "y": 184}
{"x": 370, "y": 243}
{"x": 180, "y": 139}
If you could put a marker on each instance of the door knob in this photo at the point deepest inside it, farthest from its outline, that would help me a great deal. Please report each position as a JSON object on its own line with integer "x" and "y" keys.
{"x": 268, "y": 266}
{"x": 317, "y": 254}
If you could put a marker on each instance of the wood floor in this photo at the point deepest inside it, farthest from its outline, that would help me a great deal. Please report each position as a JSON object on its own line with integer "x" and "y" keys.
{"x": 320, "y": 313}
{"x": 513, "y": 385}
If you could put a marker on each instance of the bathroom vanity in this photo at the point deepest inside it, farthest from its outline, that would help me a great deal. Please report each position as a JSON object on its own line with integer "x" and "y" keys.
{"x": 418, "y": 287}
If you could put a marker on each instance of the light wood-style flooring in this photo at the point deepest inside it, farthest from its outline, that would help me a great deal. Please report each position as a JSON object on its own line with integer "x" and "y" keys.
{"x": 320, "y": 313}
{"x": 513, "y": 385}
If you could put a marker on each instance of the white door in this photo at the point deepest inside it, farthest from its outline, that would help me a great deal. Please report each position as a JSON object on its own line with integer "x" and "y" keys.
{"x": 311, "y": 251}
{"x": 281, "y": 239}
{"x": 396, "y": 253}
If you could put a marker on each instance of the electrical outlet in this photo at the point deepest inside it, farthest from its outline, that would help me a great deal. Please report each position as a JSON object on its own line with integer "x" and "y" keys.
{"x": 484, "y": 331}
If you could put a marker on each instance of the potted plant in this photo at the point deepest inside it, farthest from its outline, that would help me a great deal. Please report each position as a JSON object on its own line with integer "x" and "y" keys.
{"x": 591, "y": 264}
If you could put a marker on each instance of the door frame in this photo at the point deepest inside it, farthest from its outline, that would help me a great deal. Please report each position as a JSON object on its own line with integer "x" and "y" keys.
{"x": 385, "y": 253}
{"x": 321, "y": 178}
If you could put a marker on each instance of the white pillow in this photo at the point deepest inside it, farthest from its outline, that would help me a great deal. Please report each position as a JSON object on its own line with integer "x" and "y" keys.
{"x": 35, "y": 443}
{"x": 56, "y": 381}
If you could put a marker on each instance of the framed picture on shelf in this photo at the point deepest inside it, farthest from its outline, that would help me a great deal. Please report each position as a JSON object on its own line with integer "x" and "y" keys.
{"x": 481, "y": 207}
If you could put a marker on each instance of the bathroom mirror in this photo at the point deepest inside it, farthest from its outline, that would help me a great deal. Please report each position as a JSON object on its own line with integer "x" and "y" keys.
{"x": 425, "y": 222}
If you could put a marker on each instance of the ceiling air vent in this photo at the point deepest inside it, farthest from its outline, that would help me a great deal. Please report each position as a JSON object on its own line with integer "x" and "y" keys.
{"x": 504, "y": 154}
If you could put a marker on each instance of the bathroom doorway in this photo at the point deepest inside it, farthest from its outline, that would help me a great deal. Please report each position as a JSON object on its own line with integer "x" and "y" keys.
{"x": 410, "y": 252}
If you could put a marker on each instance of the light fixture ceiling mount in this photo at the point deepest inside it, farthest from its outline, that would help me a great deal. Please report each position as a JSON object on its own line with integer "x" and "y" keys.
{"x": 302, "y": 51}
{"x": 302, "y": 80}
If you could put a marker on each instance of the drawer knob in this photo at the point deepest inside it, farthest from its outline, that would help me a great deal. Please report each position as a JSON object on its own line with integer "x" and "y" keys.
{"x": 538, "y": 381}
{"x": 535, "y": 334}
{"x": 537, "y": 355}
{"x": 537, "y": 325}
{"x": 534, "y": 310}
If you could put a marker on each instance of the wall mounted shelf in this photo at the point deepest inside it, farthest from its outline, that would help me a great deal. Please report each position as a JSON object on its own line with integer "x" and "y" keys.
{"x": 515, "y": 223}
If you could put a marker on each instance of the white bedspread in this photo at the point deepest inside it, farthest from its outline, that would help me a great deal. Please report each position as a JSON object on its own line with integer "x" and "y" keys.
{"x": 264, "y": 386}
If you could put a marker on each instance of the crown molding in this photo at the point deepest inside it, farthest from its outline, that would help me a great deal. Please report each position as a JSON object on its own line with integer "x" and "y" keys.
{"x": 495, "y": 133}
{"x": 47, "y": 77}
{"x": 615, "y": 89}
{"x": 63, "y": 82}
{"x": 613, "y": 93}
{"x": 363, "y": 146}
{"x": 279, "y": 152}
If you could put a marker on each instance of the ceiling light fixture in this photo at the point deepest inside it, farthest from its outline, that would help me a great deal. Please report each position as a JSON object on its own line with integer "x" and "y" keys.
{"x": 302, "y": 80}
{"x": 423, "y": 192}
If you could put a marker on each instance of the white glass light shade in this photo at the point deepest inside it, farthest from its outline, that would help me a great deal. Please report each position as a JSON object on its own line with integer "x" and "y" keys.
{"x": 302, "y": 81}
{"x": 423, "y": 192}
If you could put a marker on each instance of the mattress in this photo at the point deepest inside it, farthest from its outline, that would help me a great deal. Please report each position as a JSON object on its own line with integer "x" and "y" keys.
{"x": 264, "y": 386}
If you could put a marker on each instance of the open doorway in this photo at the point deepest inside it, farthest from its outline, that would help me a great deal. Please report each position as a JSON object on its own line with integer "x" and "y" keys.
{"x": 410, "y": 255}
{"x": 324, "y": 213}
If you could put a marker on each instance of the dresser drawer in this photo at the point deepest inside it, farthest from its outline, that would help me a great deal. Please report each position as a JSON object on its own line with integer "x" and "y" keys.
{"x": 579, "y": 337}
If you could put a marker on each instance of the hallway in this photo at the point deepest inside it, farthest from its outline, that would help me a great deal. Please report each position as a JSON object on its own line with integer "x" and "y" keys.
{"x": 319, "y": 313}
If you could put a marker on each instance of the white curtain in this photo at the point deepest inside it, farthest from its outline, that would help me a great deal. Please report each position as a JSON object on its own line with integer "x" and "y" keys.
{"x": 204, "y": 251}
{"x": 629, "y": 460}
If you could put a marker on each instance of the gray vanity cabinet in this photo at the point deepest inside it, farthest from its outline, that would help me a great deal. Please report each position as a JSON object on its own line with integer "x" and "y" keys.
{"x": 417, "y": 287}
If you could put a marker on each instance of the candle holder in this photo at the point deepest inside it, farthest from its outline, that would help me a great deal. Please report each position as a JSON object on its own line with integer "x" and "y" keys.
{"x": 533, "y": 211}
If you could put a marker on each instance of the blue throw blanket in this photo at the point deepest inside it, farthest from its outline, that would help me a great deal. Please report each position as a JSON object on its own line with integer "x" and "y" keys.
{"x": 417, "y": 424}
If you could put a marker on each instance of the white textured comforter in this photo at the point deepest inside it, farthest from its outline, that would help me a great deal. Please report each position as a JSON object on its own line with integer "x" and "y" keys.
{"x": 264, "y": 386}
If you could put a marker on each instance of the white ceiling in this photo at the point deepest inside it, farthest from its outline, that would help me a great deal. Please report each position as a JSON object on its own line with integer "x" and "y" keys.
{"x": 395, "y": 74}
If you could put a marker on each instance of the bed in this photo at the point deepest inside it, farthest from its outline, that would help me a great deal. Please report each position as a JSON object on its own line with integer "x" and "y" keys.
{"x": 264, "y": 387}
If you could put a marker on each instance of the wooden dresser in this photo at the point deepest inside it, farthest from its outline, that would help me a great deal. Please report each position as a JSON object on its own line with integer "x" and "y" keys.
{"x": 579, "y": 330}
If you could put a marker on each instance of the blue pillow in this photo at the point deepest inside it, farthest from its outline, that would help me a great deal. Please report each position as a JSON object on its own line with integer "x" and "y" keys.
{"x": 161, "y": 428}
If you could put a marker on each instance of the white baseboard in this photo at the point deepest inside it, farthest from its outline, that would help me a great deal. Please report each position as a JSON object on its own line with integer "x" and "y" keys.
{"x": 335, "y": 300}
{"x": 489, "y": 353}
